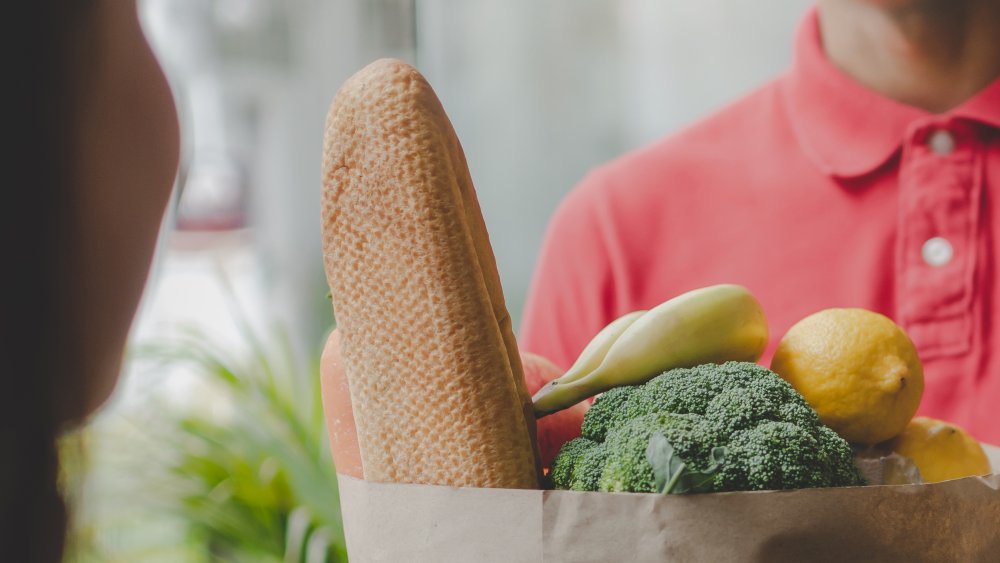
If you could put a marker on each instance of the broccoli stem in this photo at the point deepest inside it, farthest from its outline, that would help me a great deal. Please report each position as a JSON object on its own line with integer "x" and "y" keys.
{"x": 673, "y": 480}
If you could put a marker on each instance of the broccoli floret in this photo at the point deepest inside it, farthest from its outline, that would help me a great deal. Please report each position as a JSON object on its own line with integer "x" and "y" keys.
{"x": 568, "y": 459}
{"x": 741, "y": 373}
{"x": 769, "y": 437}
{"x": 589, "y": 469}
{"x": 609, "y": 411}
{"x": 755, "y": 396}
{"x": 843, "y": 471}
{"x": 774, "y": 455}
{"x": 740, "y": 408}
{"x": 800, "y": 413}
{"x": 627, "y": 467}
{"x": 578, "y": 465}
{"x": 681, "y": 391}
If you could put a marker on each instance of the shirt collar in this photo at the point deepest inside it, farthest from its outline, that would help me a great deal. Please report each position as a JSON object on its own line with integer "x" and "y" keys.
{"x": 846, "y": 129}
{"x": 983, "y": 107}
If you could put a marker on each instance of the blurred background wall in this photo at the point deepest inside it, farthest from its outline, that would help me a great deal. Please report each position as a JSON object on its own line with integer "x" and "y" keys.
{"x": 539, "y": 92}
{"x": 213, "y": 446}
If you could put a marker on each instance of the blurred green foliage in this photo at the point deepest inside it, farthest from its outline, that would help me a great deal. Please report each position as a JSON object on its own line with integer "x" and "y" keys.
{"x": 248, "y": 479}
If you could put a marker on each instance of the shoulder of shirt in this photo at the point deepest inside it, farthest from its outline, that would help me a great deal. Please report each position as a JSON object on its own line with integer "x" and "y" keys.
{"x": 722, "y": 134}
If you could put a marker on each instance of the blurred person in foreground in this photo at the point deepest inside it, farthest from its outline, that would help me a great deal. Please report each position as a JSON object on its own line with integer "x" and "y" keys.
{"x": 864, "y": 176}
{"x": 95, "y": 154}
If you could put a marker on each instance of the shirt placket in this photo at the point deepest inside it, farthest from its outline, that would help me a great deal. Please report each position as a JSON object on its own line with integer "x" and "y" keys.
{"x": 940, "y": 203}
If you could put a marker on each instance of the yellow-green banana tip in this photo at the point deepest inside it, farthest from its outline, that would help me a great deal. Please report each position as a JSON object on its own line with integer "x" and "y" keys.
{"x": 541, "y": 399}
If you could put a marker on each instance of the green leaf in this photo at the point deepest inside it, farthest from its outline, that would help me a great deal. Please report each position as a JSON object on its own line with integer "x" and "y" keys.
{"x": 672, "y": 475}
{"x": 660, "y": 455}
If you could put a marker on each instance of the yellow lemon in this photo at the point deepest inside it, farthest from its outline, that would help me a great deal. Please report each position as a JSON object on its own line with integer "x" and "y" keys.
{"x": 857, "y": 368}
{"x": 940, "y": 450}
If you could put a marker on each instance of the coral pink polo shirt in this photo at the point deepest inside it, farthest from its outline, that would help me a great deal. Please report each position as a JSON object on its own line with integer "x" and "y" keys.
{"x": 813, "y": 192}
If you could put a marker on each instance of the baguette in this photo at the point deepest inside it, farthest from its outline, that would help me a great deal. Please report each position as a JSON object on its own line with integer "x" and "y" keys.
{"x": 435, "y": 379}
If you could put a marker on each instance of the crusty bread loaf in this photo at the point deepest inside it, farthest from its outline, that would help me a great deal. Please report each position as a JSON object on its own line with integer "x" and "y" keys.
{"x": 435, "y": 377}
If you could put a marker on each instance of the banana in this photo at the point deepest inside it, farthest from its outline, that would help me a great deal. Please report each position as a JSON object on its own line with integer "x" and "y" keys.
{"x": 712, "y": 324}
{"x": 594, "y": 353}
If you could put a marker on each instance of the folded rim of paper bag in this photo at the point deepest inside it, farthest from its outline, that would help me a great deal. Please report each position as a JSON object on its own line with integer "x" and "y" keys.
{"x": 955, "y": 520}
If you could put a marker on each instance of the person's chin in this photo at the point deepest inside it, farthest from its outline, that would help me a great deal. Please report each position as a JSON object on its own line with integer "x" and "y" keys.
{"x": 90, "y": 390}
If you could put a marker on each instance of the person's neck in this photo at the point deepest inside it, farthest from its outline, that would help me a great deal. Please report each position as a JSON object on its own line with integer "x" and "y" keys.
{"x": 932, "y": 54}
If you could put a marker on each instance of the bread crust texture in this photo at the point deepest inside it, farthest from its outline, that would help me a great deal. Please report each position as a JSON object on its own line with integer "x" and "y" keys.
{"x": 435, "y": 378}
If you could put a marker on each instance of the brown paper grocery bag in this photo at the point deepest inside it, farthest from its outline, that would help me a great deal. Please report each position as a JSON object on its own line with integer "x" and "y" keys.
{"x": 952, "y": 521}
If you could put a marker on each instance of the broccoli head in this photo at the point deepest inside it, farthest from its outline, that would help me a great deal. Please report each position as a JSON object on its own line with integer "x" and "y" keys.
{"x": 770, "y": 438}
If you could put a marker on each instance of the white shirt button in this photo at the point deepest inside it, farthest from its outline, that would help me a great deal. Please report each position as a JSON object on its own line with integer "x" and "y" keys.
{"x": 937, "y": 251}
{"x": 941, "y": 142}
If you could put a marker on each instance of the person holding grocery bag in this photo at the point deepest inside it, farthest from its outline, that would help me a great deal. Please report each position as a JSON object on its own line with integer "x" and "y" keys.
{"x": 861, "y": 177}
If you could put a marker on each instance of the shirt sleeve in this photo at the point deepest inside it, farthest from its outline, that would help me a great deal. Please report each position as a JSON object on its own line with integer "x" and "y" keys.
{"x": 572, "y": 293}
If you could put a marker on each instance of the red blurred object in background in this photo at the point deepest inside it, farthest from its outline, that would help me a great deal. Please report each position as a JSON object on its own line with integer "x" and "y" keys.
{"x": 555, "y": 429}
